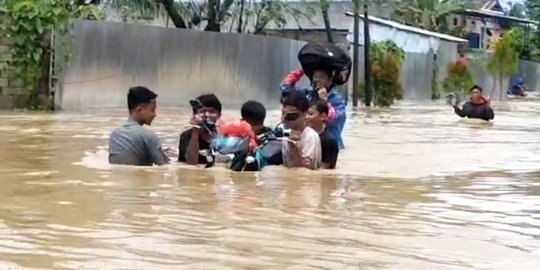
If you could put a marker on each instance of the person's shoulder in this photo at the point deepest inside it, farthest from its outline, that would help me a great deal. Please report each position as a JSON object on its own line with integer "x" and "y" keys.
{"x": 147, "y": 134}
{"x": 327, "y": 134}
{"x": 328, "y": 137}
{"x": 335, "y": 98}
{"x": 124, "y": 128}
{"x": 186, "y": 134}
{"x": 311, "y": 133}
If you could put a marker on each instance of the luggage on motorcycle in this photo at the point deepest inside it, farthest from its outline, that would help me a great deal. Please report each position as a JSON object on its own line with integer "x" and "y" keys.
{"x": 325, "y": 56}
{"x": 271, "y": 153}
{"x": 230, "y": 150}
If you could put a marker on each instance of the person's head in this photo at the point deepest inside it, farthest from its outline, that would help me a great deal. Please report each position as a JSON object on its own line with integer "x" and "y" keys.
{"x": 254, "y": 113}
{"x": 322, "y": 78}
{"x": 142, "y": 104}
{"x": 293, "y": 112}
{"x": 207, "y": 105}
{"x": 475, "y": 93}
{"x": 317, "y": 112}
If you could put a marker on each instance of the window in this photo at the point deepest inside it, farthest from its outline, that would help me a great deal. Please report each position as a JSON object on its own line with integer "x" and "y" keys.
{"x": 455, "y": 21}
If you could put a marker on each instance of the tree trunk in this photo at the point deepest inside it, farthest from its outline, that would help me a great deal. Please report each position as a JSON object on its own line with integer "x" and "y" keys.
{"x": 173, "y": 13}
{"x": 43, "y": 84}
{"x": 259, "y": 24}
{"x": 241, "y": 15}
{"x": 494, "y": 86}
{"x": 501, "y": 88}
{"x": 325, "y": 5}
{"x": 213, "y": 24}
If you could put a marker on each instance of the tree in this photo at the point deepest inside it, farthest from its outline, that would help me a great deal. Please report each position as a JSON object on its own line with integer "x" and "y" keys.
{"x": 458, "y": 78}
{"x": 504, "y": 61}
{"x": 141, "y": 8}
{"x": 385, "y": 72}
{"x": 532, "y": 9}
{"x": 427, "y": 14}
{"x": 212, "y": 14}
{"x": 517, "y": 10}
{"x": 325, "y": 5}
{"x": 31, "y": 25}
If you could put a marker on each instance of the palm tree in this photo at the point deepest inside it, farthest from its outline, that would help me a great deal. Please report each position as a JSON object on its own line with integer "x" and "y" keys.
{"x": 427, "y": 14}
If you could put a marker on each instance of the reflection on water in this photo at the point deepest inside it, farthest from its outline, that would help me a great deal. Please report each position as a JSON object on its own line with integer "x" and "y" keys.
{"x": 415, "y": 189}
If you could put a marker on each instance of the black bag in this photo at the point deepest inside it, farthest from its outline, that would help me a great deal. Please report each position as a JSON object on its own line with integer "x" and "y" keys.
{"x": 271, "y": 153}
{"x": 325, "y": 56}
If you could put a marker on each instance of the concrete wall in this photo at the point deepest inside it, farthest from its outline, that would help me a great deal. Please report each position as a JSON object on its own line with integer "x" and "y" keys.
{"x": 340, "y": 37}
{"x": 416, "y": 75}
{"x": 532, "y": 70}
{"x": 482, "y": 78}
{"x": 108, "y": 58}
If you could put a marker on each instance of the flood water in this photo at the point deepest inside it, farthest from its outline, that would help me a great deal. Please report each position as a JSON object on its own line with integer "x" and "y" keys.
{"x": 415, "y": 189}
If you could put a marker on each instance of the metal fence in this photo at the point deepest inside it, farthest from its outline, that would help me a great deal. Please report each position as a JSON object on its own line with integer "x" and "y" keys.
{"x": 416, "y": 75}
{"x": 531, "y": 70}
{"x": 108, "y": 58}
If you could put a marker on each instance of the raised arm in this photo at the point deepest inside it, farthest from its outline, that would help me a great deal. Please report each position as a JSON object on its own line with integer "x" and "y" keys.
{"x": 460, "y": 112}
{"x": 289, "y": 83}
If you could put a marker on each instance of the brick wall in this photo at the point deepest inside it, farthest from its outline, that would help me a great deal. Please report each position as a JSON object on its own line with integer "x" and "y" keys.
{"x": 11, "y": 94}
{"x": 6, "y": 98}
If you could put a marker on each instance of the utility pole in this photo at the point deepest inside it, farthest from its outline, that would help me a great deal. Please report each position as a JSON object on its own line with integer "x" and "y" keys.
{"x": 356, "y": 42}
{"x": 367, "y": 60}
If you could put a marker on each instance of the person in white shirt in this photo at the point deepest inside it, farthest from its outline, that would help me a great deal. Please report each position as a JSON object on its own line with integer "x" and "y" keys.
{"x": 303, "y": 149}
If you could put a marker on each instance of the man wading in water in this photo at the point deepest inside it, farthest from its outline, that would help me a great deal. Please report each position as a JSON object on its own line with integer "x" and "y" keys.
{"x": 131, "y": 143}
{"x": 477, "y": 107}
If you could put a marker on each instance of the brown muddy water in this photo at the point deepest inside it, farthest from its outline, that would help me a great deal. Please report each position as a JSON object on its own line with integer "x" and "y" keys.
{"x": 415, "y": 189}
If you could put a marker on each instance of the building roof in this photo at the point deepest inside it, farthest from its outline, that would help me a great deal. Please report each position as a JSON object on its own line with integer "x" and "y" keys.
{"x": 495, "y": 15}
{"x": 407, "y": 28}
{"x": 493, "y": 5}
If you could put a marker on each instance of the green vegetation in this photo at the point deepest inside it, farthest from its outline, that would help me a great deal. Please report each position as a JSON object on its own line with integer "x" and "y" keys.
{"x": 427, "y": 14}
{"x": 387, "y": 59}
{"x": 505, "y": 59}
{"x": 32, "y": 26}
{"x": 211, "y": 15}
{"x": 458, "y": 78}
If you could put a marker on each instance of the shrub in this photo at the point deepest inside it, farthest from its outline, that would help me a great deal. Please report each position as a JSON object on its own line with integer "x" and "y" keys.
{"x": 458, "y": 78}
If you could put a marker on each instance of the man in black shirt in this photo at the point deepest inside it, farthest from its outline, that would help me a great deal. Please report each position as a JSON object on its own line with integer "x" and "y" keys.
{"x": 316, "y": 118}
{"x": 254, "y": 113}
{"x": 206, "y": 113}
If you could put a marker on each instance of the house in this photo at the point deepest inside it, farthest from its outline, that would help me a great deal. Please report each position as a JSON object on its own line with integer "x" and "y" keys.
{"x": 426, "y": 53}
{"x": 483, "y": 22}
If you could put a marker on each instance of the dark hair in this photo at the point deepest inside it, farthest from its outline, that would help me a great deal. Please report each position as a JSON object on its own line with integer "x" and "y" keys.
{"x": 298, "y": 100}
{"x": 209, "y": 100}
{"x": 139, "y": 95}
{"x": 476, "y": 87}
{"x": 320, "y": 105}
{"x": 253, "y": 112}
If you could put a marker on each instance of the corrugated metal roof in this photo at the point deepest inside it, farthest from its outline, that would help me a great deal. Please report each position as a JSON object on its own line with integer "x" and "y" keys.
{"x": 411, "y": 29}
{"x": 495, "y": 14}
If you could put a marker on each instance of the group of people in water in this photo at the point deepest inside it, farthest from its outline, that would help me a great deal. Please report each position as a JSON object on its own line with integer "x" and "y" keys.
{"x": 314, "y": 119}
